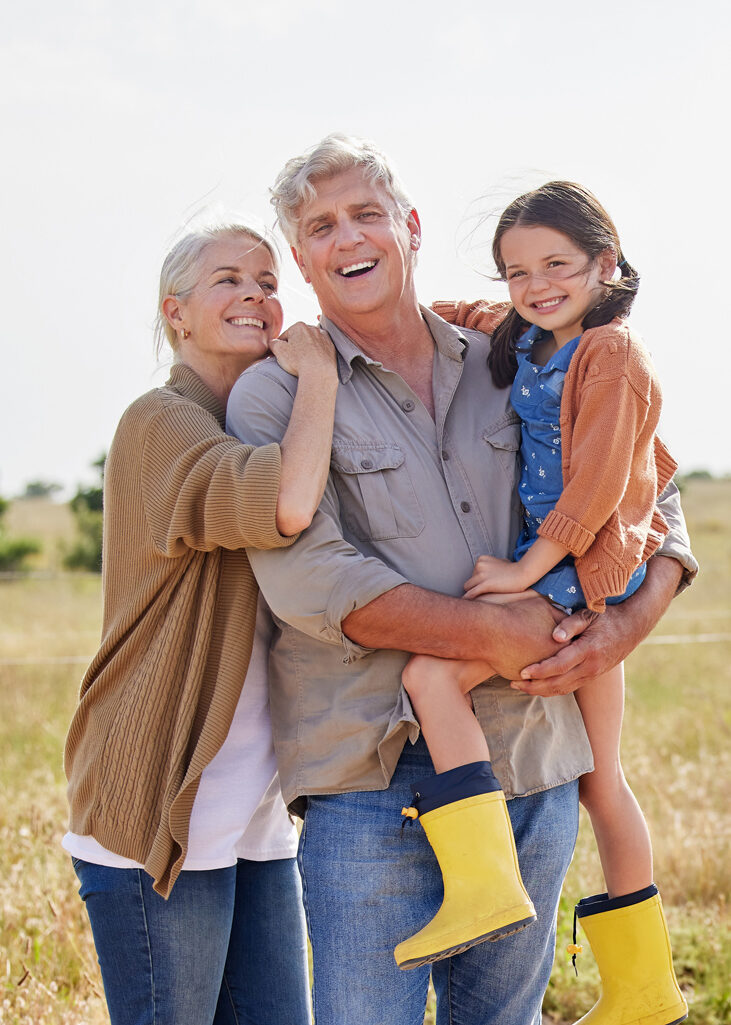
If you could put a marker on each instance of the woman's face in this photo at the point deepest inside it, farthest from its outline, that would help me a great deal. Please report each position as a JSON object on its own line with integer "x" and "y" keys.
{"x": 233, "y": 310}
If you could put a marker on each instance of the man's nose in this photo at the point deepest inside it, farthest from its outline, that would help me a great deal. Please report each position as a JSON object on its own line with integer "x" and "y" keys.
{"x": 349, "y": 233}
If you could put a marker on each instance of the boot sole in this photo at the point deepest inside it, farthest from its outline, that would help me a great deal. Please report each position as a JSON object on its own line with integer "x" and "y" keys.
{"x": 493, "y": 936}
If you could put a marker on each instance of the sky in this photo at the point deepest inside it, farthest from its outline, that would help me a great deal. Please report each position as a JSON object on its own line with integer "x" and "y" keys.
{"x": 122, "y": 122}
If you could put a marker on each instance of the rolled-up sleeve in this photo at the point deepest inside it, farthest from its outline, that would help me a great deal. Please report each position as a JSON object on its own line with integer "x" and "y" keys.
{"x": 676, "y": 544}
{"x": 322, "y": 578}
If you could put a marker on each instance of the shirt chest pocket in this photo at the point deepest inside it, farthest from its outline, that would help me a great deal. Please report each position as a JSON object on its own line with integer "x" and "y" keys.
{"x": 377, "y": 498}
{"x": 503, "y": 440}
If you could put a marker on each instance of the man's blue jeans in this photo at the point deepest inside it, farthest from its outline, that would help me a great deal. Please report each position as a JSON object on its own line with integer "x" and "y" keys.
{"x": 368, "y": 884}
{"x": 227, "y": 948}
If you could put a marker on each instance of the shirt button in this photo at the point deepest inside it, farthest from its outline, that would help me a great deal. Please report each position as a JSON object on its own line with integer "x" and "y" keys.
{"x": 367, "y": 464}
{"x": 408, "y": 405}
{"x": 465, "y": 506}
{"x": 445, "y": 455}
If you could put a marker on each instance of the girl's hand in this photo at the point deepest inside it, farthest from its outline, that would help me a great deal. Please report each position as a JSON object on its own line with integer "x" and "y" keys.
{"x": 305, "y": 349}
{"x": 494, "y": 576}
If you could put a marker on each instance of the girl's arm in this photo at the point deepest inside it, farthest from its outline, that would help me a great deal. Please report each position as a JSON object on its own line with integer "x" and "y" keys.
{"x": 501, "y": 576}
{"x": 308, "y": 354}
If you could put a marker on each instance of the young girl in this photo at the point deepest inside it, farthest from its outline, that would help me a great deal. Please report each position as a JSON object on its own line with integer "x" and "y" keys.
{"x": 591, "y": 469}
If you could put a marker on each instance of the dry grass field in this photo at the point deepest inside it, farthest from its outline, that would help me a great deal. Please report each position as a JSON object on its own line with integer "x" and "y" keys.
{"x": 677, "y": 756}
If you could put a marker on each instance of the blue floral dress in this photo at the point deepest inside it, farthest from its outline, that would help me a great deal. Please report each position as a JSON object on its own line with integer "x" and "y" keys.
{"x": 536, "y": 398}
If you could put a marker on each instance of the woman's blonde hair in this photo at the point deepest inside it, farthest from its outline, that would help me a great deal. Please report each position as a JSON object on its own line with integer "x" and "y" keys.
{"x": 180, "y": 268}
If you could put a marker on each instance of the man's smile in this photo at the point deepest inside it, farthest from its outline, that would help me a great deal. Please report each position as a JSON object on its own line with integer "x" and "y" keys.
{"x": 354, "y": 270}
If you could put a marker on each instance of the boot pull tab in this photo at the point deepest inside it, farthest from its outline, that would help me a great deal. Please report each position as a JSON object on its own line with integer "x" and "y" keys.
{"x": 409, "y": 814}
{"x": 574, "y": 948}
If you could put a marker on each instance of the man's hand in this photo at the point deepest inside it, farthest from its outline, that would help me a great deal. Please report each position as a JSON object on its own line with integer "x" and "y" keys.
{"x": 601, "y": 642}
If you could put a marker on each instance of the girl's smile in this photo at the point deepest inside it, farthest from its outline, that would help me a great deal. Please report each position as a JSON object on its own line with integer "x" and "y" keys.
{"x": 552, "y": 283}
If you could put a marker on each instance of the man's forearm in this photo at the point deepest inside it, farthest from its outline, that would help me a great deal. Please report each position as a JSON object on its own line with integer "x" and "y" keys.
{"x": 639, "y": 614}
{"x": 409, "y": 618}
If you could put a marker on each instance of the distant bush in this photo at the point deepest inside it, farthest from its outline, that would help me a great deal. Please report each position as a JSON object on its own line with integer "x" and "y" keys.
{"x": 86, "y": 551}
{"x": 14, "y": 550}
{"x": 698, "y": 475}
{"x": 41, "y": 489}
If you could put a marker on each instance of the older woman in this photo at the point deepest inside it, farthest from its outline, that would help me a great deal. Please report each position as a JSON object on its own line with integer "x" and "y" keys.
{"x": 178, "y": 832}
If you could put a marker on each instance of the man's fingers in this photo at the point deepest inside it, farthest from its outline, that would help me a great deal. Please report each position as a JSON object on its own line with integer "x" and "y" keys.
{"x": 573, "y": 626}
{"x": 562, "y": 662}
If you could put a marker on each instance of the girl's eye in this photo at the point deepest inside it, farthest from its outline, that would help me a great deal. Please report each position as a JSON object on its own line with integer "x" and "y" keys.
{"x": 515, "y": 274}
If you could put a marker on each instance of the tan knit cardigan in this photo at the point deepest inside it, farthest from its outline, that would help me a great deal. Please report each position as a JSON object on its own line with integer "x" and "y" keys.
{"x": 181, "y": 500}
{"x": 613, "y": 463}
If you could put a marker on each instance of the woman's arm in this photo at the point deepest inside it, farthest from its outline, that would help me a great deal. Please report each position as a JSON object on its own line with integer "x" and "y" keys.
{"x": 308, "y": 354}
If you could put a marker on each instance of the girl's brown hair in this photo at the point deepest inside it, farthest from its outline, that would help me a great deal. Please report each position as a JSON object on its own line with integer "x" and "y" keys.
{"x": 576, "y": 213}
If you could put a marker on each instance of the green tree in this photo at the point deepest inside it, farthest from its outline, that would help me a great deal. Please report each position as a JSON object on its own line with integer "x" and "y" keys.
{"x": 14, "y": 550}
{"x": 86, "y": 505}
{"x": 41, "y": 489}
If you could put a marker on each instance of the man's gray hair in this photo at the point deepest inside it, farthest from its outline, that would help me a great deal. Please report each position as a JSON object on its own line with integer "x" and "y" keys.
{"x": 295, "y": 183}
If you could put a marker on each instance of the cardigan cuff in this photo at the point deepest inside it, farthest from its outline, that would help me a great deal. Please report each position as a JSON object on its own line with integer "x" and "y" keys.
{"x": 569, "y": 533}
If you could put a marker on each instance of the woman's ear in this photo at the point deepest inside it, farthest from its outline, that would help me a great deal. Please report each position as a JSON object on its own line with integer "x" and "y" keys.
{"x": 173, "y": 312}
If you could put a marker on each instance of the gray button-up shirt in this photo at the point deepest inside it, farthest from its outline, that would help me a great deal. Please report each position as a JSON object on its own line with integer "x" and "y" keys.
{"x": 409, "y": 499}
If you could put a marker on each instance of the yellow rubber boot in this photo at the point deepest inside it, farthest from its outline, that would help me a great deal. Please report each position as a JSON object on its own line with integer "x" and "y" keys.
{"x": 484, "y": 896}
{"x": 632, "y": 950}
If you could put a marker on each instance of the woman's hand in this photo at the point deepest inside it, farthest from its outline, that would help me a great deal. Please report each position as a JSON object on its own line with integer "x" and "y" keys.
{"x": 303, "y": 349}
{"x": 494, "y": 576}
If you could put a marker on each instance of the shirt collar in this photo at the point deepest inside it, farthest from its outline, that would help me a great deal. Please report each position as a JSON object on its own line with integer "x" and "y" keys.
{"x": 448, "y": 339}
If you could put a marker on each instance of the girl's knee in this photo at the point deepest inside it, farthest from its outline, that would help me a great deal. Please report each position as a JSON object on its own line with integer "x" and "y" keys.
{"x": 423, "y": 673}
{"x": 603, "y": 788}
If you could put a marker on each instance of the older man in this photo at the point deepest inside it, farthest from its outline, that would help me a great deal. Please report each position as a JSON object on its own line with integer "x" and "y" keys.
{"x": 422, "y": 483}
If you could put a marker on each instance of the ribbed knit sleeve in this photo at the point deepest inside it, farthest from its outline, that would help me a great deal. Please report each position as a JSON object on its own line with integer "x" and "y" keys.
{"x": 481, "y": 315}
{"x": 202, "y": 489}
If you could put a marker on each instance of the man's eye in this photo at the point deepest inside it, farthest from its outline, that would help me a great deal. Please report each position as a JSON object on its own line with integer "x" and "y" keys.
{"x": 267, "y": 286}
{"x": 366, "y": 215}
{"x": 226, "y": 281}
{"x": 320, "y": 229}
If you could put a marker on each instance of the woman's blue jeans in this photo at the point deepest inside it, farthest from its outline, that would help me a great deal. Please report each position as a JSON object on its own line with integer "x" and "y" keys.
{"x": 368, "y": 884}
{"x": 227, "y": 948}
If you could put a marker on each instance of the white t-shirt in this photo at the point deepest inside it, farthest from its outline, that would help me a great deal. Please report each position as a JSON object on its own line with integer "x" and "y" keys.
{"x": 238, "y": 811}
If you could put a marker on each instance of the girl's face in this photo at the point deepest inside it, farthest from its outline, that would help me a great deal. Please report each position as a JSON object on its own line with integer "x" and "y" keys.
{"x": 552, "y": 282}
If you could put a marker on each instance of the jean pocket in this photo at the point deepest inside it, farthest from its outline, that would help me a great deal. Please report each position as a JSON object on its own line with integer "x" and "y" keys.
{"x": 377, "y": 497}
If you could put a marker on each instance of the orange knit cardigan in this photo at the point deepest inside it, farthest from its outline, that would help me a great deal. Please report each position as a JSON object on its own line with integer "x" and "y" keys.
{"x": 614, "y": 465}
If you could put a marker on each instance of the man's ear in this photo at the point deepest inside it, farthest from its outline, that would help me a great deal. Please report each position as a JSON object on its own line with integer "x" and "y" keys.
{"x": 414, "y": 225}
{"x": 301, "y": 264}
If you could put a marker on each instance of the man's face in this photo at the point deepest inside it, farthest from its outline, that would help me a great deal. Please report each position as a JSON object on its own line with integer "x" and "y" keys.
{"x": 356, "y": 249}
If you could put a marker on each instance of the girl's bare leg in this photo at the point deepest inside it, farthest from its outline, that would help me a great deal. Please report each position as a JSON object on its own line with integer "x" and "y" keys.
{"x": 439, "y": 692}
{"x": 622, "y": 836}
